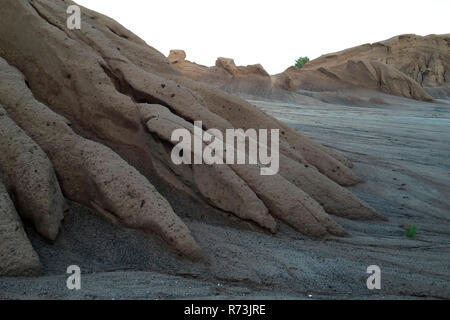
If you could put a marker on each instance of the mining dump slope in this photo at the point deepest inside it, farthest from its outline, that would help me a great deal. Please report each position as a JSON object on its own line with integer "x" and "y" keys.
{"x": 401, "y": 151}
{"x": 86, "y": 117}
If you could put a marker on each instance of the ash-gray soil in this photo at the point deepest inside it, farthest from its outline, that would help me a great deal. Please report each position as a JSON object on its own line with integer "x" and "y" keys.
{"x": 402, "y": 151}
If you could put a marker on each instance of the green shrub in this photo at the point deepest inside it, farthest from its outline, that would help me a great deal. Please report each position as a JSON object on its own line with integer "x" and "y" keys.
{"x": 411, "y": 231}
{"x": 300, "y": 62}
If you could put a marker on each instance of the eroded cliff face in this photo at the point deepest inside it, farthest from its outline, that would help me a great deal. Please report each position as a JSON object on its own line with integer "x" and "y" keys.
{"x": 252, "y": 79}
{"x": 425, "y": 59}
{"x": 411, "y": 66}
{"x": 98, "y": 105}
{"x": 408, "y": 65}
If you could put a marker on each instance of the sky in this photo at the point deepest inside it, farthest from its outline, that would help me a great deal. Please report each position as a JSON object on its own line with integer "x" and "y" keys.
{"x": 272, "y": 33}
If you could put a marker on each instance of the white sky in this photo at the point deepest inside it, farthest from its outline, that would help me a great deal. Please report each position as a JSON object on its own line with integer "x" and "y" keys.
{"x": 273, "y": 33}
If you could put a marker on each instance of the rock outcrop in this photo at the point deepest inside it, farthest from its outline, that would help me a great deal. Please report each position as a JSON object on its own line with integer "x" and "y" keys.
{"x": 101, "y": 104}
{"x": 30, "y": 177}
{"x": 251, "y": 80}
{"x": 17, "y": 256}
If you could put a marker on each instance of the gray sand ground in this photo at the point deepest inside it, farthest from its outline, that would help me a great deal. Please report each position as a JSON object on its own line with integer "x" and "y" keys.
{"x": 401, "y": 151}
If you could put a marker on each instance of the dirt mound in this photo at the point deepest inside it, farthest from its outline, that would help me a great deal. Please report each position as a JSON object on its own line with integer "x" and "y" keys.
{"x": 408, "y": 65}
{"x": 101, "y": 104}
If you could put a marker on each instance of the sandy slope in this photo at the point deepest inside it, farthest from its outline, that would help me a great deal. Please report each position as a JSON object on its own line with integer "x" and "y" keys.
{"x": 400, "y": 150}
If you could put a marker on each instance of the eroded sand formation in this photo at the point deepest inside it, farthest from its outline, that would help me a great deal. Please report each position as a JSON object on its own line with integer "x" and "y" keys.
{"x": 408, "y": 65}
{"x": 225, "y": 74}
{"x": 95, "y": 108}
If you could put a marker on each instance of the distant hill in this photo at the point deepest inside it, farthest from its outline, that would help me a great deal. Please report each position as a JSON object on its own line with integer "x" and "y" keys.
{"x": 411, "y": 66}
